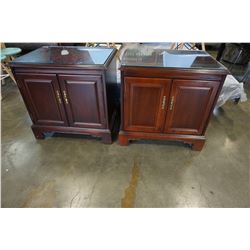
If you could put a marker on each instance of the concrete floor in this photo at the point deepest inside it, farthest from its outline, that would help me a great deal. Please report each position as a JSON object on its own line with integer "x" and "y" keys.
{"x": 83, "y": 172}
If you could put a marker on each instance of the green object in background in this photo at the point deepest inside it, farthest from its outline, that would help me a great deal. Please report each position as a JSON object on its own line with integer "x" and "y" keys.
{"x": 10, "y": 51}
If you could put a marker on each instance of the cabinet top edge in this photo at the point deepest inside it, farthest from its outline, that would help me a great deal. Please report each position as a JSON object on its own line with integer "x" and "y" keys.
{"x": 57, "y": 67}
{"x": 146, "y": 56}
{"x": 175, "y": 70}
{"x": 66, "y": 57}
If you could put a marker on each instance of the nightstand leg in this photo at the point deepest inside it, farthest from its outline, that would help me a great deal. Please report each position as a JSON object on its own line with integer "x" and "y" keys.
{"x": 198, "y": 145}
{"x": 38, "y": 134}
{"x": 123, "y": 140}
{"x": 106, "y": 138}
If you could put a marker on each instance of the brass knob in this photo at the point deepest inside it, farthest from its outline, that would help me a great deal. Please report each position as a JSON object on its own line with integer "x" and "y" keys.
{"x": 58, "y": 97}
{"x": 163, "y": 102}
{"x": 172, "y": 103}
{"x": 65, "y": 97}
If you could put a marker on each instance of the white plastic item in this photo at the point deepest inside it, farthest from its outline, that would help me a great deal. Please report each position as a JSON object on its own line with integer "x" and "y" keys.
{"x": 232, "y": 89}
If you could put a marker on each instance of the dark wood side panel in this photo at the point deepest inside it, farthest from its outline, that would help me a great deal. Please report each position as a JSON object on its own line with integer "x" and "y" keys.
{"x": 144, "y": 103}
{"x": 84, "y": 100}
{"x": 42, "y": 95}
{"x": 190, "y": 105}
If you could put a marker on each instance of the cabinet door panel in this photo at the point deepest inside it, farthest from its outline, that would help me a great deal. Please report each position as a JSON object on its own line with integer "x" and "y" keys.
{"x": 144, "y": 103}
{"x": 84, "y": 100}
{"x": 192, "y": 101}
{"x": 42, "y": 96}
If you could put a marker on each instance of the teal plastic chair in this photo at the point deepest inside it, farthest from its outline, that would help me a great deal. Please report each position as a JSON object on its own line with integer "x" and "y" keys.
{"x": 7, "y": 54}
{"x": 4, "y": 65}
{"x": 3, "y": 57}
{"x": 10, "y": 51}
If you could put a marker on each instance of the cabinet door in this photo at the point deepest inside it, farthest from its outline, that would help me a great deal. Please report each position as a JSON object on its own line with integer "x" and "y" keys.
{"x": 41, "y": 94}
{"x": 84, "y": 100}
{"x": 144, "y": 103}
{"x": 189, "y": 107}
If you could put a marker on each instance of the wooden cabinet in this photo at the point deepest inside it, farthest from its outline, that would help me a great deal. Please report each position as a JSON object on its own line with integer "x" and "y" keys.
{"x": 144, "y": 106}
{"x": 167, "y": 103}
{"x": 83, "y": 100}
{"x": 189, "y": 106}
{"x": 69, "y": 95}
{"x": 41, "y": 93}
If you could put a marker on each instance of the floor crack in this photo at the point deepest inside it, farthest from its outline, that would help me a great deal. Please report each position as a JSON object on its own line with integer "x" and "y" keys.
{"x": 74, "y": 198}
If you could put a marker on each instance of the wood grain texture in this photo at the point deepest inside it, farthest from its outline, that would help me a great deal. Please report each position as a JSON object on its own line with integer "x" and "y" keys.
{"x": 195, "y": 141}
{"x": 192, "y": 101}
{"x": 40, "y": 94}
{"x": 104, "y": 134}
{"x": 174, "y": 73}
{"x": 85, "y": 100}
{"x": 145, "y": 103}
{"x": 190, "y": 98}
{"x": 67, "y": 98}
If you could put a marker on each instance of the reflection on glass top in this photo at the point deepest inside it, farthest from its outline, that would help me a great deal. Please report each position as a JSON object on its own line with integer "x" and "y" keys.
{"x": 66, "y": 55}
{"x": 188, "y": 59}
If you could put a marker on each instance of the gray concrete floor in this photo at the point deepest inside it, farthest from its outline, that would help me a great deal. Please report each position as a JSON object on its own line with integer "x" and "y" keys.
{"x": 83, "y": 172}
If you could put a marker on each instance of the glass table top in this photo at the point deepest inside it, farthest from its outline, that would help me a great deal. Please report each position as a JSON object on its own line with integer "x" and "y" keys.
{"x": 66, "y": 55}
{"x": 163, "y": 58}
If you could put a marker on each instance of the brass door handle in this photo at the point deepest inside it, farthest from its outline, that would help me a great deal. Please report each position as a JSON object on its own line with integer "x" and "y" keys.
{"x": 163, "y": 102}
{"x": 65, "y": 97}
{"x": 171, "y": 103}
{"x": 58, "y": 97}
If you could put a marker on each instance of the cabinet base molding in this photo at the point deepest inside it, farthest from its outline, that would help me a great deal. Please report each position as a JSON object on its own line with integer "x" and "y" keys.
{"x": 196, "y": 142}
{"x": 104, "y": 134}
